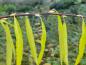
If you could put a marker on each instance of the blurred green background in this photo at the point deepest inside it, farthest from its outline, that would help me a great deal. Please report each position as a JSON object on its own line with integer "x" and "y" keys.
{"x": 51, "y": 54}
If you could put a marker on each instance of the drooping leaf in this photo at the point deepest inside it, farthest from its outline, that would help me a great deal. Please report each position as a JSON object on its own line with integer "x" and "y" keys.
{"x": 43, "y": 42}
{"x": 31, "y": 39}
{"x": 19, "y": 42}
{"x": 9, "y": 43}
{"x": 82, "y": 43}
{"x": 62, "y": 31}
{"x": 65, "y": 45}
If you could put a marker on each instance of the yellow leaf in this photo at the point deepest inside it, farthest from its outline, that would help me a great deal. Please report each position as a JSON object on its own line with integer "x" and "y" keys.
{"x": 9, "y": 43}
{"x": 19, "y": 42}
{"x": 81, "y": 44}
{"x": 62, "y": 31}
{"x": 65, "y": 45}
{"x": 43, "y": 41}
{"x": 31, "y": 40}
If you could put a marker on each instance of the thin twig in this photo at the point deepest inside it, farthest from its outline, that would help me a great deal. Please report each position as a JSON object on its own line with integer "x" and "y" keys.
{"x": 33, "y": 14}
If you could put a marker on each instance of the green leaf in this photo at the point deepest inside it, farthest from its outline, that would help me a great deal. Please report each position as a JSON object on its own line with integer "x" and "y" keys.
{"x": 82, "y": 43}
{"x": 43, "y": 42}
{"x": 65, "y": 45}
{"x": 31, "y": 40}
{"x": 9, "y": 43}
{"x": 19, "y": 42}
{"x": 62, "y": 31}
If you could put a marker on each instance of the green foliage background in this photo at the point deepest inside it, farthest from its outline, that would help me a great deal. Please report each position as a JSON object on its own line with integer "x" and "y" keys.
{"x": 52, "y": 49}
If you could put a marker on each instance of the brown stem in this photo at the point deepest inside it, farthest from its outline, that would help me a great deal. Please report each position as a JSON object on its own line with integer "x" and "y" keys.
{"x": 33, "y": 14}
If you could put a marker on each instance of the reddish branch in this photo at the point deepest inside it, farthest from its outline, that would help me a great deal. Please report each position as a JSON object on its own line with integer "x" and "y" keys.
{"x": 33, "y": 14}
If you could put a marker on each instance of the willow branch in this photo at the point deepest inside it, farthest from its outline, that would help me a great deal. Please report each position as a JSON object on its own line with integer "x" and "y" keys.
{"x": 33, "y": 14}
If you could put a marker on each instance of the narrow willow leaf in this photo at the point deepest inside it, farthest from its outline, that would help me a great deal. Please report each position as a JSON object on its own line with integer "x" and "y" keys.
{"x": 19, "y": 42}
{"x": 62, "y": 31}
{"x": 81, "y": 44}
{"x": 43, "y": 41}
{"x": 65, "y": 45}
{"x": 31, "y": 40}
{"x": 9, "y": 43}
